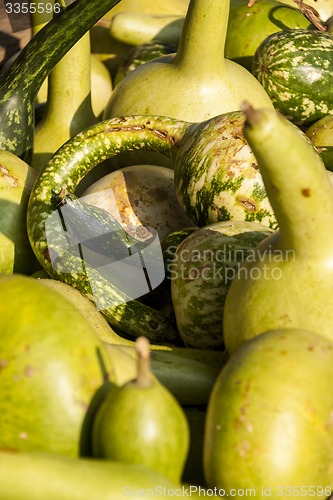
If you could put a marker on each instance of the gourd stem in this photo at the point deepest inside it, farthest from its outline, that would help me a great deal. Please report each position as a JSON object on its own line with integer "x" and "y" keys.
{"x": 143, "y": 378}
{"x": 211, "y": 18}
{"x": 296, "y": 182}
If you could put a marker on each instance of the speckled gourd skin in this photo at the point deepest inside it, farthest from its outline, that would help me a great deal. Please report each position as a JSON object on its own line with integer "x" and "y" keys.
{"x": 295, "y": 68}
{"x": 202, "y": 269}
{"x": 217, "y": 176}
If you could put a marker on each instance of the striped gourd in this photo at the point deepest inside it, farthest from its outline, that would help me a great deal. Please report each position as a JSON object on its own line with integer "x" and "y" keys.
{"x": 296, "y": 69}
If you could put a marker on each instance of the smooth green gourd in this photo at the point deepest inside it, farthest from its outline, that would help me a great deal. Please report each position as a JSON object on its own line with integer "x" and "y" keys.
{"x": 196, "y": 83}
{"x": 141, "y": 422}
{"x": 269, "y": 419}
{"x": 36, "y": 476}
{"x": 288, "y": 281}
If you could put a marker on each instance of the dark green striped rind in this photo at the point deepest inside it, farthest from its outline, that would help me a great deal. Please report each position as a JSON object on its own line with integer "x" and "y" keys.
{"x": 295, "y": 67}
{"x": 216, "y": 174}
{"x": 204, "y": 265}
{"x": 20, "y": 84}
{"x": 68, "y": 166}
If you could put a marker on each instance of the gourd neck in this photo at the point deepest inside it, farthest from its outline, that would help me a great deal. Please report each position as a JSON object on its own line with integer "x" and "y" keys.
{"x": 296, "y": 182}
{"x": 202, "y": 42}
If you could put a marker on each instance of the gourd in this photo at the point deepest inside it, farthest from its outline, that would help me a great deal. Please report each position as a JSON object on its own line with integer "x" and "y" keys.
{"x": 203, "y": 267}
{"x": 198, "y": 80}
{"x": 296, "y": 69}
{"x": 33, "y": 476}
{"x": 269, "y": 418}
{"x": 19, "y": 85}
{"x": 170, "y": 137}
{"x": 141, "y": 422}
{"x": 137, "y": 28}
{"x": 291, "y": 268}
{"x": 250, "y": 23}
{"x": 141, "y": 54}
{"x": 54, "y": 370}
{"x": 189, "y": 374}
{"x": 16, "y": 182}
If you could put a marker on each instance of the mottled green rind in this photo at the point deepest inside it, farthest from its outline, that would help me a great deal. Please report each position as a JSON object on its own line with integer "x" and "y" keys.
{"x": 269, "y": 420}
{"x": 203, "y": 267}
{"x": 169, "y": 245}
{"x": 20, "y": 84}
{"x": 216, "y": 174}
{"x": 249, "y": 25}
{"x": 68, "y": 166}
{"x": 51, "y": 367}
{"x": 295, "y": 67}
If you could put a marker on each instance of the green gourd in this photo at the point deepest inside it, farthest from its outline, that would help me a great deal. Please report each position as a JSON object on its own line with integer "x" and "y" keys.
{"x": 288, "y": 281}
{"x": 20, "y": 84}
{"x": 217, "y": 176}
{"x": 53, "y": 369}
{"x": 268, "y": 426}
{"x": 295, "y": 67}
{"x": 36, "y": 476}
{"x": 251, "y": 22}
{"x": 201, "y": 272}
{"x": 321, "y": 135}
{"x": 196, "y": 83}
{"x": 16, "y": 182}
{"x": 141, "y": 422}
{"x": 69, "y": 107}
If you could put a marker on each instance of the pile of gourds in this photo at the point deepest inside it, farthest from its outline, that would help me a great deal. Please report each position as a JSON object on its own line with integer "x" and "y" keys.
{"x": 166, "y": 286}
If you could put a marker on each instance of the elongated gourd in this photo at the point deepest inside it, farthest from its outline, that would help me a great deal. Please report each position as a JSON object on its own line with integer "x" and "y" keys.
{"x": 288, "y": 282}
{"x": 33, "y": 476}
{"x": 196, "y": 83}
{"x": 19, "y": 85}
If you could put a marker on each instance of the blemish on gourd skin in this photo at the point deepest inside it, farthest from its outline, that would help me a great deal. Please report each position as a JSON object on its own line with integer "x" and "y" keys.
{"x": 12, "y": 181}
{"x": 306, "y": 192}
